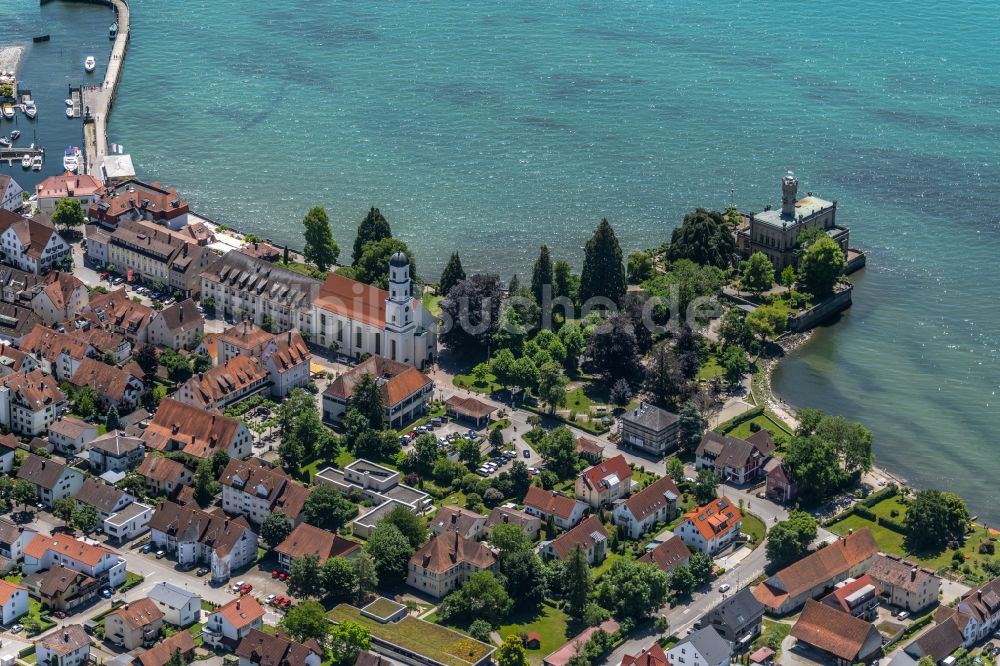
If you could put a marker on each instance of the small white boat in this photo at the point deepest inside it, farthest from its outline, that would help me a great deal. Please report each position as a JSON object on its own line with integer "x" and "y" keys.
{"x": 15, "y": 135}
{"x": 8, "y": 111}
{"x": 26, "y": 161}
{"x": 89, "y": 64}
{"x": 36, "y": 163}
{"x": 69, "y": 112}
{"x": 69, "y": 160}
{"x": 5, "y": 142}
{"x": 30, "y": 109}
{"x": 68, "y": 101}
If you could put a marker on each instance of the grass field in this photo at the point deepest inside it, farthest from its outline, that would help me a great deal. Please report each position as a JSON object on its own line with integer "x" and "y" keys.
{"x": 549, "y": 622}
{"x": 711, "y": 370}
{"x": 893, "y": 542}
{"x": 488, "y": 386}
{"x": 742, "y": 431}
{"x": 753, "y": 527}
{"x": 433, "y": 303}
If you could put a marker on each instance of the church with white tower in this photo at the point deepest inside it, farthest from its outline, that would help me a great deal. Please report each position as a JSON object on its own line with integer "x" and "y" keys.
{"x": 360, "y": 319}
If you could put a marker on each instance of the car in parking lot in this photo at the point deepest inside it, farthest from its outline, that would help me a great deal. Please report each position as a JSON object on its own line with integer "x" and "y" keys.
{"x": 16, "y": 629}
{"x": 106, "y": 593}
{"x": 526, "y": 453}
{"x": 238, "y": 584}
{"x": 201, "y": 571}
{"x": 269, "y": 598}
{"x": 60, "y": 614}
{"x": 160, "y": 554}
{"x": 902, "y": 615}
{"x": 148, "y": 547}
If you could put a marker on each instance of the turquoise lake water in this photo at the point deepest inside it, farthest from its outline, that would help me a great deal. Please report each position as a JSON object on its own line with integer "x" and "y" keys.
{"x": 494, "y": 127}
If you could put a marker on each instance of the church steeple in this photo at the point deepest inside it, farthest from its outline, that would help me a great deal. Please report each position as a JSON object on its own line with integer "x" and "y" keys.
{"x": 398, "y": 313}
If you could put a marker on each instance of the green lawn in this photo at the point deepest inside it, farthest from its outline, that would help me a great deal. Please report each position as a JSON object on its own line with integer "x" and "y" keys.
{"x": 753, "y": 527}
{"x": 742, "y": 431}
{"x": 711, "y": 370}
{"x": 549, "y": 622}
{"x": 488, "y": 386}
{"x": 433, "y": 303}
{"x": 893, "y": 542}
{"x": 771, "y": 635}
{"x": 343, "y": 459}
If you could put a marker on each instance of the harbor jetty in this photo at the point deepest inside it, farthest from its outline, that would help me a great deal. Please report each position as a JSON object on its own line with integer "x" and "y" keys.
{"x": 97, "y": 100}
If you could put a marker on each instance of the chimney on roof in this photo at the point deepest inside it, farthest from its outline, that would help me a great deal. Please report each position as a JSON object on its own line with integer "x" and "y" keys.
{"x": 237, "y": 604}
{"x": 913, "y": 573}
{"x": 65, "y": 636}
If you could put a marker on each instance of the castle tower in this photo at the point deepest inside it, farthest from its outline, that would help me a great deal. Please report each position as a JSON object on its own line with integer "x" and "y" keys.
{"x": 789, "y": 190}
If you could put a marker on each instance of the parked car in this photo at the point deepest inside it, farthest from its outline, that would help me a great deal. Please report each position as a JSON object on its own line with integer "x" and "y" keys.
{"x": 201, "y": 571}
{"x": 160, "y": 554}
{"x": 724, "y": 587}
{"x": 148, "y": 547}
{"x": 526, "y": 453}
{"x": 238, "y": 584}
{"x": 902, "y": 615}
{"x": 60, "y": 614}
{"x": 106, "y": 593}
{"x": 16, "y": 629}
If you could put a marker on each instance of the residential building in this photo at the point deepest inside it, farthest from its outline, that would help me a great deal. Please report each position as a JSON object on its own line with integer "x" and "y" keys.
{"x": 446, "y": 561}
{"x": 640, "y": 513}
{"x": 856, "y": 596}
{"x": 58, "y": 354}
{"x": 70, "y": 435}
{"x": 163, "y": 476}
{"x": 177, "y": 326}
{"x": 737, "y": 618}
{"x": 780, "y": 487}
{"x": 704, "y": 647}
{"x": 161, "y": 653}
{"x": 455, "y": 519}
{"x": 8, "y": 446}
{"x": 115, "y": 452}
{"x": 361, "y": 319}
{"x": 285, "y": 356}
{"x": 565, "y": 512}
{"x": 474, "y": 412}
{"x": 589, "y": 450}
{"x": 224, "y": 385}
{"x": 113, "y": 385}
{"x": 574, "y": 647}
{"x": 509, "y": 514}
{"x": 133, "y": 200}
{"x": 668, "y": 554}
{"x": 68, "y": 645}
{"x": 152, "y": 255}
{"x": 734, "y": 460}
{"x": 14, "y": 360}
{"x": 16, "y": 322}
{"x": 106, "y": 499}
{"x": 404, "y": 639}
{"x": 229, "y": 624}
{"x": 245, "y": 287}
{"x": 31, "y": 244}
{"x": 589, "y": 535}
{"x": 62, "y": 298}
{"x": 116, "y": 312}
{"x": 978, "y": 612}
{"x": 82, "y": 187}
{"x": 375, "y": 483}
{"x": 775, "y": 232}
{"x": 11, "y": 194}
{"x": 904, "y": 584}
{"x": 177, "y": 426}
{"x": 13, "y": 539}
{"x": 951, "y": 632}
{"x": 255, "y": 489}
{"x": 405, "y": 391}
{"x": 30, "y": 402}
{"x": 842, "y": 638}
{"x": 650, "y": 429}
{"x": 264, "y": 251}
{"x": 62, "y": 588}
{"x": 818, "y": 572}
{"x": 605, "y": 482}
{"x": 306, "y": 539}
{"x": 129, "y": 522}
{"x": 52, "y": 480}
{"x": 258, "y": 648}
{"x": 13, "y": 602}
{"x": 98, "y": 562}
{"x": 180, "y": 607}
{"x": 651, "y": 656}
{"x": 710, "y": 528}
{"x": 135, "y": 624}
{"x": 195, "y": 536}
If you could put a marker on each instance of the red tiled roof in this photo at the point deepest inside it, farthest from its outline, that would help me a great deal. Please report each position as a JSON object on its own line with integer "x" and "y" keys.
{"x": 308, "y": 540}
{"x": 355, "y": 300}
{"x": 241, "y": 611}
{"x": 833, "y": 631}
{"x": 66, "y": 546}
{"x": 197, "y": 432}
{"x": 652, "y": 498}
{"x": 469, "y": 407}
{"x": 716, "y": 518}
{"x": 7, "y": 590}
{"x": 69, "y": 185}
{"x": 160, "y": 654}
{"x": 651, "y": 656}
{"x": 599, "y": 476}
{"x": 586, "y": 534}
{"x": 398, "y": 380}
{"x": 549, "y": 502}
{"x": 446, "y": 551}
{"x": 211, "y": 387}
{"x": 669, "y": 555}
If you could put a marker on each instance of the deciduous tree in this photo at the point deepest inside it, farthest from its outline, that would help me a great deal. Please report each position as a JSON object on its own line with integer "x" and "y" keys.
{"x": 704, "y": 238}
{"x": 306, "y": 620}
{"x": 471, "y": 313}
{"x": 373, "y": 266}
{"x": 758, "y": 273}
{"x": 304, "y": 578}
{"x": 789, "y": 539}
{"x": 328, "y": 509}
{"x": 275, "y": 528}
{"x": 821, "y": 266}
{"x": 390, "y": 550}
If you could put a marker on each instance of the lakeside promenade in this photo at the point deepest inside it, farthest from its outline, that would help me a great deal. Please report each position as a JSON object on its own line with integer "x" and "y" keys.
{"x": 98, "y": 99}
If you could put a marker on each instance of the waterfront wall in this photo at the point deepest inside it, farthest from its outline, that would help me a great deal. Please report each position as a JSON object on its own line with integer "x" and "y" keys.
{"x": 822, "y": 311}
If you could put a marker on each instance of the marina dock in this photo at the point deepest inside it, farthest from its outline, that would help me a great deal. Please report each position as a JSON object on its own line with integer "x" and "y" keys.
{"x": 16, "y": 153}
{"x": 77, "y": 97}
{"x": 97, "y": 100}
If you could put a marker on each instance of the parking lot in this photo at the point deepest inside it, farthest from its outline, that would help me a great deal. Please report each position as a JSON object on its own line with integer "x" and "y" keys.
{"x": 449, "y": 433}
